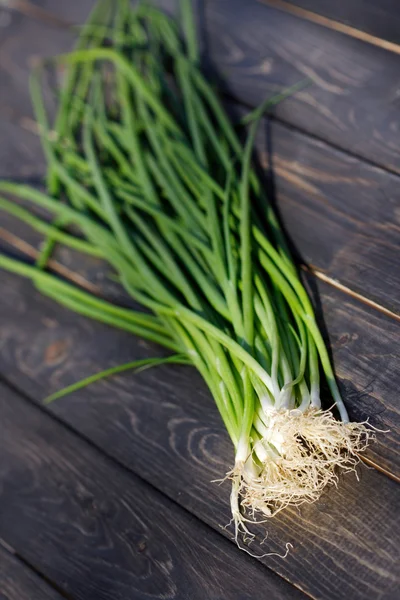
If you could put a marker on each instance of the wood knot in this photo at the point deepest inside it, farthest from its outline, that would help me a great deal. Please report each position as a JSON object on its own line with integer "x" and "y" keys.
{"x": 56, "y": 352}
{"x": 346, "y": 338}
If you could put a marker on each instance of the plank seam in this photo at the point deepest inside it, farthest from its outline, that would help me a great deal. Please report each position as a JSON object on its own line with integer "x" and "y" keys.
{"x": 377, "y": 467}
{"x": 33, "y": 253}
{"x": 346, "y": 290}
{"x": 37, "y": 406}
{"x": 30, "y": 10}
{"x": 21, "y": 121}
{"x": 49, "y": 582}
{"x": 329, "y": 23}
{"x": 21, "y": 245}
{"x": 26, "y": 248}
{"x": 311, "y": 136}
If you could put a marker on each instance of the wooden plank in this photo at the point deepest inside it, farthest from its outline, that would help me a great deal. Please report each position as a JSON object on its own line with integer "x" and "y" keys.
{"x": 380, "y": 19}
{"x": 99, "y": 532}
{"x": 353, "y": 241}
{"x": 21, "y": 156}
{"x": 353, "y": 326}
{"x": 49, "y": 13}
{"x": 352, "y": 104}
{"x": 18, "y": 582}
{"x": 258, "y": 50}
{"x": 23, "y": 39}
{"x": 341, "y": 214}
{"x": 163, "y": 425}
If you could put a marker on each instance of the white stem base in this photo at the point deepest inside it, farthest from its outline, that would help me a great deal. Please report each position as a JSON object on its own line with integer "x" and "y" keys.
{"x": 293, "y": 462}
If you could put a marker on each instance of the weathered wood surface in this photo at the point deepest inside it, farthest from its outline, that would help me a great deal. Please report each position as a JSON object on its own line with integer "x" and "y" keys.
{"x": 19, "y": 582}
{"x": 380, "y": 19}
{"x": 353, "y": 102}
{"x": 163, "y": 425}
{"x": 363, "y": 339}
{"x": 21, "y": 39}
{"x": 24, "y": 39}
{"x": 99, "y": 532}
{"x": 350, "y": 207}
{"x": 341, "y": 214}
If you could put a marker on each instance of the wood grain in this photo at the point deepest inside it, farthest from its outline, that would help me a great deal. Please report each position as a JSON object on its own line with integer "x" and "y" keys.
{"x": 163, "y": 425}
{"x": 355, "y": 329}
{"x": 350, "y": 206}
{"x": 99, "y": 532}
{"x": 21, "y": 156}
{"x": 353, "y": 102}
{"x": 341, "y": 214}
{"x": 19, "y": 582}
{"x": 380, "y": 19}
{"x": 23, "y": 39}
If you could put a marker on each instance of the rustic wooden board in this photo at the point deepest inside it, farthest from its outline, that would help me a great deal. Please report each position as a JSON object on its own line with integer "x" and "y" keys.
{"x": 341, "y": 214}
{"x": 350, "y": 206}
{"x": 363, "y": 338}
{"x": 160, "y": 416}
{"x": 352, "y": 103}
{"x": 163, "y": 425}
{"x": 381, "y": 19}
{"x": 99, "y": 532}
{"x": 21, "y": 156}
{"x": 19, "y": 582}
{"x": 258, "y": 50}
{"x": 24, "y": 38}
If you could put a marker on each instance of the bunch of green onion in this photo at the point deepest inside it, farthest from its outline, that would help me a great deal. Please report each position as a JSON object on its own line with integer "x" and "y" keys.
{"x": 145, "y": 164}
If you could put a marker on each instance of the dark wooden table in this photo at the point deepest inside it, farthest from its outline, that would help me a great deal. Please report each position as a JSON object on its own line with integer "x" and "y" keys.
{"x": 108, "y": 494}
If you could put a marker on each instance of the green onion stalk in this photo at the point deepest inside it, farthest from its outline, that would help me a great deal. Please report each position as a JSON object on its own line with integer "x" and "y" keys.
{"x": 146, "y": 166}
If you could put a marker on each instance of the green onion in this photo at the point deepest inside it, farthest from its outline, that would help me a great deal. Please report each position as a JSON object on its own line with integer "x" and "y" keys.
{"x": 144, "y": 161}
{"x": 136, "y": 365}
